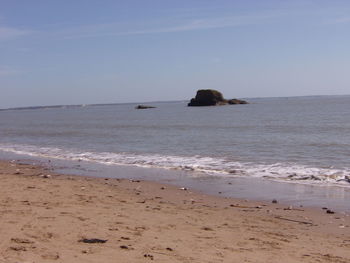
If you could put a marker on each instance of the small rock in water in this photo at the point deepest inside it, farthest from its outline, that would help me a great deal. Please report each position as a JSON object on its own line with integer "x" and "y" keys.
{"x": 330, "y": 211}
{"x": 315, "y": 178}
{"x": 304, "y": 178}
{"x": 189, "y": 168}
{"x": 143, "y": 107}
{"x": 274, "y": 201}
{"x": 346, "y": 179}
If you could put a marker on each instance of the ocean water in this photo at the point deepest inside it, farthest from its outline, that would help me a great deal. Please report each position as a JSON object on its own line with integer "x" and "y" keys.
{"x": 303, "y": 140}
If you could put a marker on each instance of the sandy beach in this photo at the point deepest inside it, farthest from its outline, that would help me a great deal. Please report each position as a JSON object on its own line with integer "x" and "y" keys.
{"x": 46, "y": 217}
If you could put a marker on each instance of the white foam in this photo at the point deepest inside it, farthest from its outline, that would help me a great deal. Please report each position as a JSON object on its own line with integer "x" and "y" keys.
{"x": 201, "y": 165}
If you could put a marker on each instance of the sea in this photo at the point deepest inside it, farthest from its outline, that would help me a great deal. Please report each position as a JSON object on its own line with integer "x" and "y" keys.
{"x": 289, "y": 141}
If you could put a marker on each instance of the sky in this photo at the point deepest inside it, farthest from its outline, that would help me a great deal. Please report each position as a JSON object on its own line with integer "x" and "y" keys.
{"x": 112, "y": 51}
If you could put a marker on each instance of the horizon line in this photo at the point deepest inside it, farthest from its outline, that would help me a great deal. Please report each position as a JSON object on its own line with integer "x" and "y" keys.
{"x": 55, "y": 106}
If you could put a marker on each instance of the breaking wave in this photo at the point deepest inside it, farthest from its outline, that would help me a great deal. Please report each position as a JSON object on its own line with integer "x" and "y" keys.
{"x": 200, "y": 165}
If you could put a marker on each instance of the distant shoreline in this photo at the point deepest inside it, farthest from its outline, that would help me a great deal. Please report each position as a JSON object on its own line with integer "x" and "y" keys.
{"x": 149, "y": 102}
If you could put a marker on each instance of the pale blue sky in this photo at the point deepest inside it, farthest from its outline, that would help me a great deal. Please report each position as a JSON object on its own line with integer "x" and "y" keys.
{"x": 104, "y": 51}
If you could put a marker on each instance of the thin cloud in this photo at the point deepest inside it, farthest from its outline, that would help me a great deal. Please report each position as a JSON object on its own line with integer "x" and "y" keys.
{"x": 7, "y": 33}
{"x": 189, "y": 25}
{"x": 7, "y": 71}
{"x": 341, "y": 20}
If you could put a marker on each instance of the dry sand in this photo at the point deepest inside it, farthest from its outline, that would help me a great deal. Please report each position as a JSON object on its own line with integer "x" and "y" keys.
{"x": 45, "y": 218}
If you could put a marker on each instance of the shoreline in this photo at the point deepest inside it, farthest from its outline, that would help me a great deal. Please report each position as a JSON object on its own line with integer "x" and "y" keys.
{"x": 45, "y": 214}
{"x": 258, "y": 189}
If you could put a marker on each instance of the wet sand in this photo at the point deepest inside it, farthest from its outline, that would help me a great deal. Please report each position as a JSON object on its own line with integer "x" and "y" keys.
{"x": 47, "y": 217}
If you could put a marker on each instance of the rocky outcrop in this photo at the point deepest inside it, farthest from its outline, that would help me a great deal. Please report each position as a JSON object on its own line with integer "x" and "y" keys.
{"x": 210, "y": 97}
{"x": 142, "y": 107}
{"x": 236, "y": 101}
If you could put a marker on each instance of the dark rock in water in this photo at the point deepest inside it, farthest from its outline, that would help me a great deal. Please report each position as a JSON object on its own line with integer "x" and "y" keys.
{"x": 210, "y": 97}
{"x": 236, "y": 101}
{"x": 207, "y": 97}
{"x": 346, "y": 179}
{"x": 142, "y": 107}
